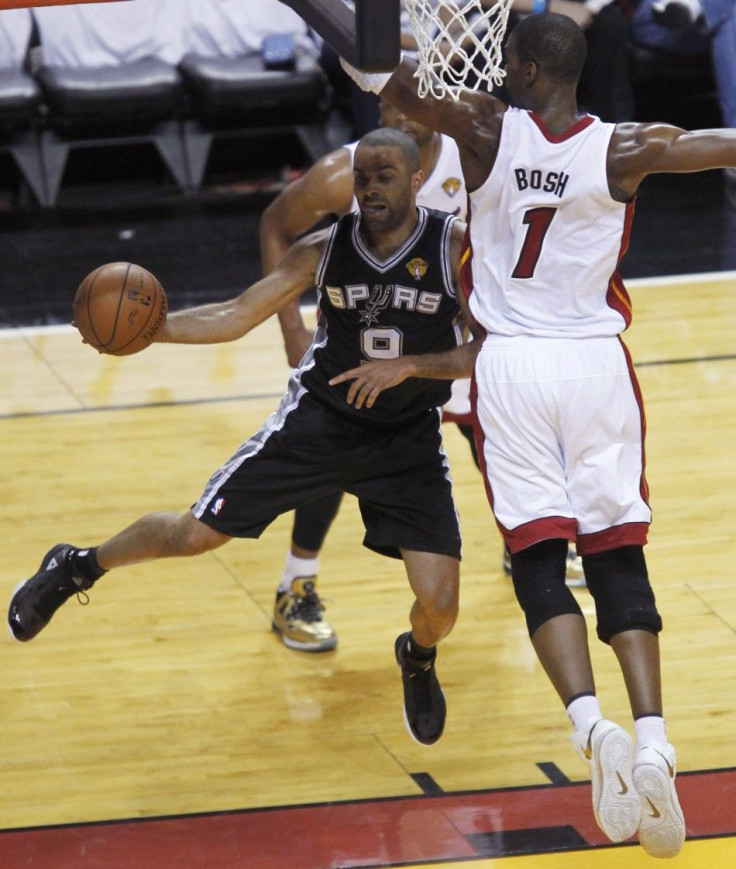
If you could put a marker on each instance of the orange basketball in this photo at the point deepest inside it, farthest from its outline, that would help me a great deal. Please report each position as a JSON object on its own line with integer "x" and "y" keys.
{"x": 119, "y": 308}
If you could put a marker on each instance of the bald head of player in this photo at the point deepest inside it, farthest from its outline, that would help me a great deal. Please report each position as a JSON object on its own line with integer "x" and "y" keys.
{"x": 386, "y": 178}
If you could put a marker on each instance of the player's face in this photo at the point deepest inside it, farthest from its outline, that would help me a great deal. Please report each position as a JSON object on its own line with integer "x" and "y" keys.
{"x": 393, "y": 117}
{"x": 384, "y": 186}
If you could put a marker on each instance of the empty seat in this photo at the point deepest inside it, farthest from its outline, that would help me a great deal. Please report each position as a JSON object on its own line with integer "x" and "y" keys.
{"x": 251, "y": 69}
{"x": 109, "y": 77}
{"x": 20, "y": 99}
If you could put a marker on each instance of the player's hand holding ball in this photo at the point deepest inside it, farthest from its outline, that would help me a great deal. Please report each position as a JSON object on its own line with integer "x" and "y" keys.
{"x": 119, "y": 308}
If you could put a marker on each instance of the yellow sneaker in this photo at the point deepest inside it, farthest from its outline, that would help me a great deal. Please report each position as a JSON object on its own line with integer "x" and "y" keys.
{"x": 297, "y": 617}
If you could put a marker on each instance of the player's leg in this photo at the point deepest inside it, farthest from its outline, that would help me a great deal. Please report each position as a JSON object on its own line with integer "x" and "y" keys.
{"x": 269, "y": 474}
{"x": 68, "y": 570}
{"x": 608, "y": 490}
{"x": 408, "y": 511}
{"x": 298, "y": 614}
{"x": 628, "y": 620}
{"x": 559, "y": 635}
{"x": 434, "y": 579}
{"x": 524, "y": 397}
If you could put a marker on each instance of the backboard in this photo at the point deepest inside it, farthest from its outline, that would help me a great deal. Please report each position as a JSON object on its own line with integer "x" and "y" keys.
{"x": 367, "y": 33}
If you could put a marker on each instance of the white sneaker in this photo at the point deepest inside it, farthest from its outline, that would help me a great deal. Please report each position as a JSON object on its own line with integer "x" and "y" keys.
{"x": 662, "y": 828}
{"x": 574, "y": 574}
{"x": 610, "y": 752}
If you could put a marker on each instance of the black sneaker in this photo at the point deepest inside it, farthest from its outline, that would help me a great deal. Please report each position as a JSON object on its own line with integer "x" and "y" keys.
{"x": 36, "y": 599}
{"x": 424, "y": 702}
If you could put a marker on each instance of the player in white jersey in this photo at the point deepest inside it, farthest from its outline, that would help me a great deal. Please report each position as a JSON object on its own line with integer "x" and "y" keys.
{"x": 551, "y": 197}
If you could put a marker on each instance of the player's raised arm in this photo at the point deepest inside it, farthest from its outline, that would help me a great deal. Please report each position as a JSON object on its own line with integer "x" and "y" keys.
{"x": 473, "y": 120}
{"x": 229, "y": 320}
{"x": 638, "y": 150}
{"x": 325, "y": 189}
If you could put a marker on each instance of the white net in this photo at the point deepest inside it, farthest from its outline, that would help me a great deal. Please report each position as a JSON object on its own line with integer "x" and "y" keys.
{"x": 458, "y": 44}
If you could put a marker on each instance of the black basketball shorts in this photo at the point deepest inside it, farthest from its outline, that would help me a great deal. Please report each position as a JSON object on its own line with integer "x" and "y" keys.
{"x": 305, "y": 451}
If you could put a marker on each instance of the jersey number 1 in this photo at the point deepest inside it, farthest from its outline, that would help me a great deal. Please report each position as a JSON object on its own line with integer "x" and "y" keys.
{"x": 538, "y": 221}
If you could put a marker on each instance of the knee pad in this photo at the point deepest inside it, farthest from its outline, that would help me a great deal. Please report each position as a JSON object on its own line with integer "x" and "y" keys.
{"x": 538, "y": 574}
{"x": 624, "y": 600}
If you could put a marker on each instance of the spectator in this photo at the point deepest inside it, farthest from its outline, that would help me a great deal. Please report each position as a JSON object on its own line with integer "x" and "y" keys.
{"x": 687, "y": 27}
{"x": 695, "y": 26}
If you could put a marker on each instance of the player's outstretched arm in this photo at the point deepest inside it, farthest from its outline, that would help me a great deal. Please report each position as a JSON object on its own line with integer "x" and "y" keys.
{"x": 474, "y": 120}
{"x": 638, "y": 150}
{"x": 370, "y": 380}
{"x": 325, "y": 189}
{"x": 230, "y": 320}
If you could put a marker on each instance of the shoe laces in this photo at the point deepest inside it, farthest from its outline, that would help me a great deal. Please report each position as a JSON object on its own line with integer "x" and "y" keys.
{"x": 309, "y": 607}
{"x": 420, "y": 683}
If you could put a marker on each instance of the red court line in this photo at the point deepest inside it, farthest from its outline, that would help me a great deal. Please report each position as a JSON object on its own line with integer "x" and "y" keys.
{"x": 353, "y": 834}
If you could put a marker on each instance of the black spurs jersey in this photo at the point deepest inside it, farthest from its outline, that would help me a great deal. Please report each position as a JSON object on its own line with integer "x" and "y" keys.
{"x": 380, "y": 310}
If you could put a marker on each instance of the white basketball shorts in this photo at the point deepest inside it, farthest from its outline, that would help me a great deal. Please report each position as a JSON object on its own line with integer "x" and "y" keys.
{"x": 563, "y": 454}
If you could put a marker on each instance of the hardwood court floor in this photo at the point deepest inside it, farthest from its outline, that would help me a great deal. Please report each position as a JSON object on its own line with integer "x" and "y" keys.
{"x": 165, "y": 725}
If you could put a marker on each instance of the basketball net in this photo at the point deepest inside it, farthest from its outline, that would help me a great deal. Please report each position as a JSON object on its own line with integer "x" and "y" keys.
{"x": 456, "y": 38}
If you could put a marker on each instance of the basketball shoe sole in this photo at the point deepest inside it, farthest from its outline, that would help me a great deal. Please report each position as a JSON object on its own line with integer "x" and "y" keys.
{"x": 662, "y": 827}
{"x": 616, "y": 803}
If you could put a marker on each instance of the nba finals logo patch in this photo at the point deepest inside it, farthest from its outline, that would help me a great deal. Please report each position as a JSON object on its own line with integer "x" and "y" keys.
{"x": 417, "y": 268}
{"x": 451, "y": 186}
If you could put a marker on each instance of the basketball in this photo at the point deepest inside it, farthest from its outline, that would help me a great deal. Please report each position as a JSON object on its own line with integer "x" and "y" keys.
{"x": 119, "y": 308}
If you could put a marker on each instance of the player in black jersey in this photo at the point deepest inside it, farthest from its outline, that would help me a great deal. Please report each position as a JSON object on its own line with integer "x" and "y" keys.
{"x": 387, "y": 279}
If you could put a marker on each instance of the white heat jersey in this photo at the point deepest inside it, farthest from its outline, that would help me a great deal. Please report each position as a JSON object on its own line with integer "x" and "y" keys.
{"x": 546, "y": 235}
{"x": 445, "y": 187}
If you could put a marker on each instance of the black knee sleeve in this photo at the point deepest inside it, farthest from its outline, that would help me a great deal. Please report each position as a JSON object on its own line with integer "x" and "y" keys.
{"x": 538, "y": 573}
{"x": 312, "y": 521}
{"x": 624, "y": 600}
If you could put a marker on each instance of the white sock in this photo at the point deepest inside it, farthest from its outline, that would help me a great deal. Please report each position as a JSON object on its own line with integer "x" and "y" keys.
{"x": 584, "y": 711}
{"x": 295, "y": 567}
{"x": 651, "y": 728}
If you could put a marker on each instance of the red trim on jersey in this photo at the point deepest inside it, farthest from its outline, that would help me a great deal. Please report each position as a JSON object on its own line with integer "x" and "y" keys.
{"x": 617, "y": 296}
{"x": 626, "y": 234}
{"x": 631, "y": 534}
{"x": 466, "y": 271}
{"x": 579, "y": 125}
